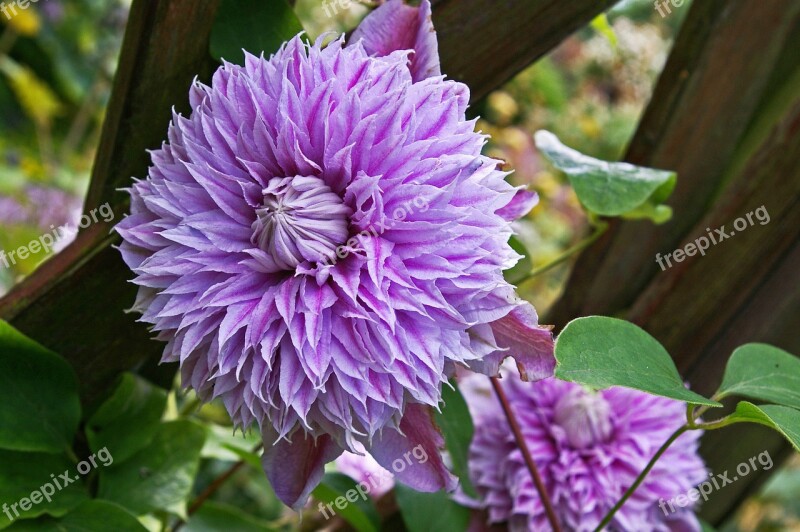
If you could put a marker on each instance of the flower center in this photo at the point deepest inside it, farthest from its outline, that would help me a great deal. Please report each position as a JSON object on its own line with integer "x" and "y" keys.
{"x": 585, "y": 417}
{"x": 302, "y": 220}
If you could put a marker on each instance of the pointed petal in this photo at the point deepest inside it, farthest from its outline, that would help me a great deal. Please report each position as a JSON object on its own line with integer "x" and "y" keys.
{"x": 522, "y": 203}
{"x": 396, "y": 26}
{"x": 415, "y": 459}
{"x": 295, "y": 468}
{"x": 520, "y": 336}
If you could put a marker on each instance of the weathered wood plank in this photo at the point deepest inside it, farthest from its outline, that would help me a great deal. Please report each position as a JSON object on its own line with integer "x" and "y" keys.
{"x": 745, "y": 289}
{"x": 772, "y": 317}
{"x": 485, "y": 43}
{"x": 165, "y": 47}
{"x": 705, "y": 99}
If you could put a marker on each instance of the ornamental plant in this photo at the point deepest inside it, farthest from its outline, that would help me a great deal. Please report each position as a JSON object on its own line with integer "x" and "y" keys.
{"x": 321, "y": 243}
{"x": 326, "y": 253}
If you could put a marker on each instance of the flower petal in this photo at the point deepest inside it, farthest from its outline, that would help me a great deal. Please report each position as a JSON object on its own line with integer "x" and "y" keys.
{"x": 396, "y": 26}
{"x": 415, "y": 459}
{"x": 520, "y": 336}
{"x": 296, "y": 467}
{"x": 520, "y": 205}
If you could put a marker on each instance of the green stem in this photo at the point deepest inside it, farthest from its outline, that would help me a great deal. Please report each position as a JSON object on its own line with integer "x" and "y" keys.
{"x": 720, "y": 423}
{"x": 610, "y": 515}
{"x": 692, "y": 414}
{"x": 189, "y": 407}
{"x": 600, "y": 228}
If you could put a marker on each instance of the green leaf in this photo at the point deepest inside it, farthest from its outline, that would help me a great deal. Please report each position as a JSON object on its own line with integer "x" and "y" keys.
{"x": 222, "y": 444}
{"x": 160, "y": 476}
{"x": 129, "y": 419}
{"x": 784, "y": 419}
{"x": 457, "y": 428}
{"x": 354, "y": 508}
{"x": 91, "y": 516}
{"x": 214, "y": 516}
{"x": 254, "y": 25}
{"x": 602, "y": 352}
{"x": 430, "y": 512}
{"x": 22, "y": 474}
{"x": 602, "y": 26}
{"x": 39, "y": 405}
{"x": 610, "y": 189}
{"x": 521, "y": 269}
{"x": 764, "y": 372}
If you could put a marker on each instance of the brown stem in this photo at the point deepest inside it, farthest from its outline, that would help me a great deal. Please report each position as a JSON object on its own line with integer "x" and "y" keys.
{"x": 212, "y": 488}
{"x": 526, "y": 454}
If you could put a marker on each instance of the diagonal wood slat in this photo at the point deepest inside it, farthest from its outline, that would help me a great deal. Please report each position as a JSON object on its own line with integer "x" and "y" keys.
{"x": 165, "y": 47}
{"x": 484, "y": 44}
{"x": 74, "y": 304}
{"x": 705, "y": 99}
{"x": 745, "y": 289}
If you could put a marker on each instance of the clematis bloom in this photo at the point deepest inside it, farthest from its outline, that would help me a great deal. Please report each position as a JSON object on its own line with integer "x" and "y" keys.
{"x": 321, "y": 243}
{"x": 589, "y": 448}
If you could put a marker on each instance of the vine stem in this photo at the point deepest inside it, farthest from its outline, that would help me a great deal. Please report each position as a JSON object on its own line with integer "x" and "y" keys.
{"x": 600, "y": 228}
{"x": 212, "y": 488}
{"x": 610, "y": 515}
{"x": 526, "y": 454}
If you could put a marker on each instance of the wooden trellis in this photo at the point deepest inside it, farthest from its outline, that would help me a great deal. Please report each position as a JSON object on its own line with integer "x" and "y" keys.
{"x": 722, "y": 116}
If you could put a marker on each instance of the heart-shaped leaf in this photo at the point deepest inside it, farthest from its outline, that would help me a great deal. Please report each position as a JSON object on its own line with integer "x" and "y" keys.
{"x": 457, "y": 428}
{"x": 91, "y": 515}
{"x": 345, "y": 498}
{"x": 22, "y": 474}
{"x": 763, "y": 372}
{"x": 611, "y": 189}
{"x": 602, "y": 352}
{"x": 129, "y": 419}
{"x": 39, "y": 405}
{"x": 784, "y": 419}
{"x": 213, "y": 516}
{"x": 425, "y": 512}
{"x": 160, "y": 476}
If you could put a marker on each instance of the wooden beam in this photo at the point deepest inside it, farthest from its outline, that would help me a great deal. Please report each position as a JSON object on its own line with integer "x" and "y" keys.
{"x": 165, "y": 47}
{"x": 485, "y": 43}
{"x": 712, "y": 86}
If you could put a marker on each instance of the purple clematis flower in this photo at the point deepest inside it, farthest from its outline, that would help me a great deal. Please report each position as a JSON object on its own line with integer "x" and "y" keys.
{"x": 321, "y": 243}
{"x": 589, "y": 448}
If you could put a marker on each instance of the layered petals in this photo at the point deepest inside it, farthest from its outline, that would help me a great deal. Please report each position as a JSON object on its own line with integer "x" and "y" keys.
{"x": 320, "y": 244}
{"x": 589, "y": 448}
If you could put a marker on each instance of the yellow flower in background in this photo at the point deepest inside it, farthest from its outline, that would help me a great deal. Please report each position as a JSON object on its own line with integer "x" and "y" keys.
{"x": 25, "y": 22}
{"x": 31, "y": 167}
{"x": 38, "y": 101}
{"x": 590, "y": 126}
